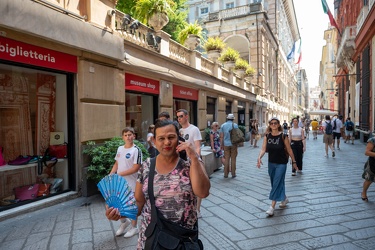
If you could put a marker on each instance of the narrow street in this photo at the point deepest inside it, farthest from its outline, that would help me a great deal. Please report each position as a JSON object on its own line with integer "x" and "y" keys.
{"x": 325, "y": 210}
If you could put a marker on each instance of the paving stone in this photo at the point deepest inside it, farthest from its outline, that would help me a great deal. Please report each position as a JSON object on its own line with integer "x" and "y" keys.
{"x": 101, "y": 224}
{"x": 218, "y": 239}
{"x": 63, "y": 227}
{"x": 335, "y": 219}
{"x": 271, "y": 241}
{"x": 45, "y": 225}
{"x": 13, "y": 244}
{"x": 104, "y": 240}
{"x": 60, "y": 241}
{"x": 82, "y": 235}
{"x": 324, "y": 241}
{"x": 297, "y": 225}
{"x": 326, "y": 230}
{"x": 79, "y": 224}
{"x": 225, "y": 228}
{"x": 363, "y": 233}
{"x": 83, "y": 246}
{"x": 260, "y": 232}
{"x": 288, "y": 246}
{"x": 344, "y": 246}
{"x": 366, "y": 244}
{"x": 37, "y": 241}
{"x": 360, "y": 223}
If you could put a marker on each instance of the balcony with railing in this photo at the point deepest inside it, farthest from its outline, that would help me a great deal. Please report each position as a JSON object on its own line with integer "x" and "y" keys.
{"x": 347, "y": 47}
{"x": 159, "y": 42}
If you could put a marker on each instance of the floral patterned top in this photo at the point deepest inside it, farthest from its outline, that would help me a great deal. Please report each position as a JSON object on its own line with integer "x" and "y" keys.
{"x": 174, "y": 197}
{"x": 219, "y": 153}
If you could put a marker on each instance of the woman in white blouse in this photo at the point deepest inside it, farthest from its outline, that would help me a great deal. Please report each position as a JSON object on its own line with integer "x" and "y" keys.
{"x": 297, "y": 143}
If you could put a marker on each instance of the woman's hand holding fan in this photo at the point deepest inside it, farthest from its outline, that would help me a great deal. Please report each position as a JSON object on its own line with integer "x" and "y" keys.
{"x": 117, "y": 194}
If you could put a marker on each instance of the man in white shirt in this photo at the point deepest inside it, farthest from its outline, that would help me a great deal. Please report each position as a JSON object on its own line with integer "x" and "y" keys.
{"x": 337, "y": 125}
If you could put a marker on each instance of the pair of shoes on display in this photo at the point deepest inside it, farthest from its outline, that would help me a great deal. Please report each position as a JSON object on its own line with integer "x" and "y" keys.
{"x": 333, "y": 153}
{"x": 284, "y": 202}
{"x": 122, "y": 227}
{"x": 270, "y": 211}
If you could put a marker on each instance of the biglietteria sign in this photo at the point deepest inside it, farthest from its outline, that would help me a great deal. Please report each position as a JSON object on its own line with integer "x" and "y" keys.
{"x": 16, "y": 51}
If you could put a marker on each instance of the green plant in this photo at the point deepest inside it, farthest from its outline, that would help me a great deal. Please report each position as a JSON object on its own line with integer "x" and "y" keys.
{"x": 144, "y": 9}
{"x": 190, "y": 29}
{"x": 229, "y": 55}
{"x": 250, "y": 71}
{"x": 241, "y": 64}
{"x": 214, "y": 43}
{"x": 102, "y": 157}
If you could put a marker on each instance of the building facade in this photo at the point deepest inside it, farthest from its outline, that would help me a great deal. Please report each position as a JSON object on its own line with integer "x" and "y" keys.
{"x": 264, "y": 32}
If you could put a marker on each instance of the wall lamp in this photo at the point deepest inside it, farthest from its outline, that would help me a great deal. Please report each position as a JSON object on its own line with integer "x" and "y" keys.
{"x": 153, "y": 40}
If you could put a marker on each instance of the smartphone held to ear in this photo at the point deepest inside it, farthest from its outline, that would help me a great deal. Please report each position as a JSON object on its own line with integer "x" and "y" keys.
{"x": 182, "y": 153}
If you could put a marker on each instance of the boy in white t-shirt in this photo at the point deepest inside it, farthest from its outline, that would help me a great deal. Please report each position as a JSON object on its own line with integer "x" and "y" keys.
{"x": 128, "y": 161}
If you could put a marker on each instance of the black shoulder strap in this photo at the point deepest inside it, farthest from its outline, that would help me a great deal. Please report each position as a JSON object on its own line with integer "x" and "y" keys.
{"x": 151, "y": 189}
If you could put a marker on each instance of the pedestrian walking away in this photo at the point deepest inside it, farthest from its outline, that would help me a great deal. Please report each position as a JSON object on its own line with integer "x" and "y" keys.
{"x": 176, "y": 182}
{"x": 277, "y": 145}
{"x": 298, "y": 144}
{"x": 349, "y": 130}
{"x": 328, "y": 135}
{"x": 337, "y": 126}
{"x": 128, "y": 161}
{"x": 230, "y": 150}
{"x": 314, "y": 128}
{"x": 369, "y": 168}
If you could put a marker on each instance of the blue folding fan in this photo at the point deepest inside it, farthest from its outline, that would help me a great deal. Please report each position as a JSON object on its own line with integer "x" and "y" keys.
{"x": 117, "y": 193}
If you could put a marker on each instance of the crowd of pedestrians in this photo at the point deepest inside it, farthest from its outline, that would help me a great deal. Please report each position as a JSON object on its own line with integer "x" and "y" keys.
{"x": 168, "y": 139}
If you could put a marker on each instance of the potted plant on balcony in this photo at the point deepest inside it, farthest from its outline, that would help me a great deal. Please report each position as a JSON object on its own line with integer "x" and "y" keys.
{"x": 191, "y": 35}
{"x": 213, "y": 47}
{"x": 229, "y": 58}
{"x": 153, "y": 12}
{"x": 241, "y": 66}
{"x": 249, "y": 73}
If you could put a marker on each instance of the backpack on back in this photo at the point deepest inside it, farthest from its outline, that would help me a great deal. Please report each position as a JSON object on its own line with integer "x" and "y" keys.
{"x": 236, "y": 135}
{"x": 349, "y": 126}
{"x": 285, "y": 125}
{"x": 329, "y": 128}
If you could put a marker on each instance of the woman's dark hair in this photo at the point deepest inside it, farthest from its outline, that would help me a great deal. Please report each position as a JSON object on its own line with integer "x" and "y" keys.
{"x": 328, "y": 117}
{"x": 295, "y": 118}
{"x": 163, "y": 123}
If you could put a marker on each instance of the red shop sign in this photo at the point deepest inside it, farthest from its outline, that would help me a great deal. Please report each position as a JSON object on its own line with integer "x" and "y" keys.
{"x": 16, "y": 51}
{"x": 141, "y": 84}
{"x": 185, "y": 93}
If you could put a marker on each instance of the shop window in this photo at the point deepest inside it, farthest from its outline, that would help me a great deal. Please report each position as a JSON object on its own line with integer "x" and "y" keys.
{"x": 33, "y": 105}
{"x": 139, "y": 114}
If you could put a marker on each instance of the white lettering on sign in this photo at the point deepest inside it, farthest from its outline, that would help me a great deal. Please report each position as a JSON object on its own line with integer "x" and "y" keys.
{"x": 183, "y": 92}
{"x": 151, "y": 86}
{"x": 142, "y": 84}
{"x": 18, "y": 51}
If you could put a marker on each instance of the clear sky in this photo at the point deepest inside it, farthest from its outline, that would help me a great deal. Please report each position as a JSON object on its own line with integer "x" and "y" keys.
{"x": 312, "y": 22}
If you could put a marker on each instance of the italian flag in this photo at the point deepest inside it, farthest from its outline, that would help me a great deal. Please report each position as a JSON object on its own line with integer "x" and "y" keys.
{"x": 328, "y": 12}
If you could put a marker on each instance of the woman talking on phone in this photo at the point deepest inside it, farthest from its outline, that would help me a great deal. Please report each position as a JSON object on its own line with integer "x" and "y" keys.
{"x": 176, "y": 184}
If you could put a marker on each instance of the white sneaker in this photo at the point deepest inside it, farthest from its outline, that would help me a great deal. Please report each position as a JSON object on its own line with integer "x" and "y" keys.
{"x": 122, "y": 227}
{"x": 131, "y": 232}
{"x": 283, "y": 203}
{"x": 270, "y": 211}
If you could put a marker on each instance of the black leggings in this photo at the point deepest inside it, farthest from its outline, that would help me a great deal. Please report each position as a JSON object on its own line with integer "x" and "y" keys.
{"x": 297, "y": 147}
